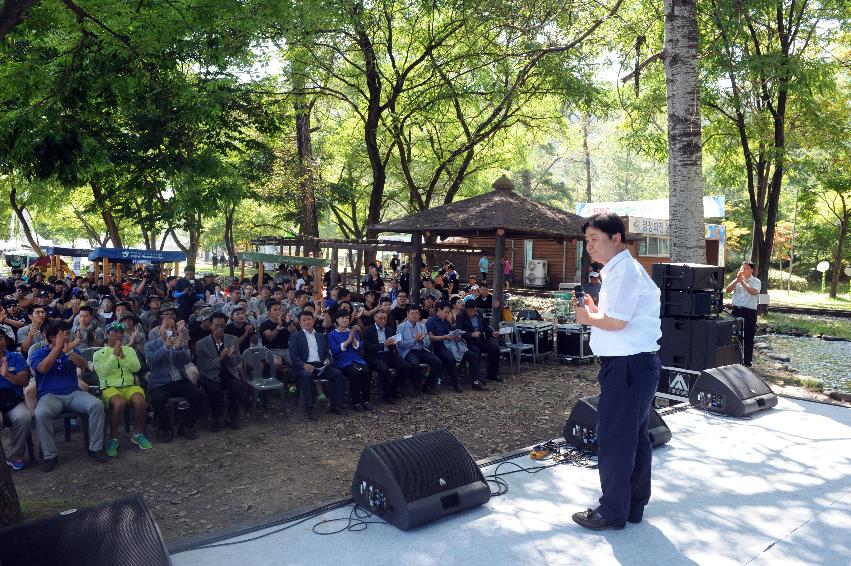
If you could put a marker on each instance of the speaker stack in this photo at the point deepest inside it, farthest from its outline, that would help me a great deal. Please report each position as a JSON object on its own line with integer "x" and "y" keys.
{"x": 695, "y": 335}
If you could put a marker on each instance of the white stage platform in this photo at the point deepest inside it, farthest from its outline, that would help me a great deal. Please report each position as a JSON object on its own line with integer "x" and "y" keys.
{"x": 775, "y": 489}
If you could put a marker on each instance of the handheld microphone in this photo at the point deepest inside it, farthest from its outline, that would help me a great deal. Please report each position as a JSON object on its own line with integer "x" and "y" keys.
{"x": 580, "y": 296}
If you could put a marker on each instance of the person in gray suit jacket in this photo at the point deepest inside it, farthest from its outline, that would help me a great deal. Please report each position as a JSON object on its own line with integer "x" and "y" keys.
{"x": 218, "y": 359}
{"x": 310, "y": 358}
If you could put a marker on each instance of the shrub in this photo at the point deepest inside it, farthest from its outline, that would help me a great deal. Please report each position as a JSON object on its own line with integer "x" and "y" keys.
{"x": 780, "y": 280}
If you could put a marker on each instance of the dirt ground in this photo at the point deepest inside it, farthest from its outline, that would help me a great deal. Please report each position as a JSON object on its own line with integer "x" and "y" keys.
{"x": 277, "y": 462}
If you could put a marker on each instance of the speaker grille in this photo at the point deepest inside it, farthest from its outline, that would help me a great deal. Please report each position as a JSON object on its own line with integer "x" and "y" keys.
{"x": 428, "y": 463}
{"x": 743, "y": 382}
{"x": 122, "y": 532}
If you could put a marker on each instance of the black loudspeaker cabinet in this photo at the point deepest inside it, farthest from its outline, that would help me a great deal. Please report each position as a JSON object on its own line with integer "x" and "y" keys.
{"x": 688, "y": 276}
{"x": 416, "y": 480}
{"x": 121, "y": 533}
{"x": 732, "y": 390}
{"x": 573, "y": 341}
{"x": 580, "y": 429}
{"x": 699, "y": 343}
{"x": 691, "y": 304}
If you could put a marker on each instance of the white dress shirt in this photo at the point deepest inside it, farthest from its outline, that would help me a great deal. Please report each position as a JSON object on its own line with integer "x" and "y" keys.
{"x": 628, "y": 294}
{"x": 312, "y": 348}
{"x": 741, "y": 298}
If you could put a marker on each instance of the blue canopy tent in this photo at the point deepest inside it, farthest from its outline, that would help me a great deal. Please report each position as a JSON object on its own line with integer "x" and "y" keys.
{"x": 122, "y": 255}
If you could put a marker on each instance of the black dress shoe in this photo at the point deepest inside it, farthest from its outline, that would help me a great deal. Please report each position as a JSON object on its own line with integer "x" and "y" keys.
{"x": 48, "y": 465}
{"x": 457, "y": 388}
{"x": 98, "y": 456}
{"x": 479, "y": 386}
{"x": 335, "y": 410}
{"x": 357, "y": 407}
{"x": 367, "y": 406}
{"x": 232, "y": 424}
{"x": 591, "y": 519}
{"x": 311, "y": 415}
{"x": 430, "y": 389}
{"x": 188, "y": 433}
{"x": 390, "y": 400}
{"x": 495, "y": 378}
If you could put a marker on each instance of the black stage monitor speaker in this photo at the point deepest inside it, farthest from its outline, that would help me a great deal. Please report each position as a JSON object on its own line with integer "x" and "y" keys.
{"x": 581, "y": 426}
{"x": 688, "y": 276}
{"x": 731, "y": 390}
{"x": 121, "y": 533}
{"x": 419, "y": 479}
{"x": 698, "y": 343}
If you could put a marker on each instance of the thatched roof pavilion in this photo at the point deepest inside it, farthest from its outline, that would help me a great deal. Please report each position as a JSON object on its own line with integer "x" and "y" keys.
{"x": 501, "y": 212}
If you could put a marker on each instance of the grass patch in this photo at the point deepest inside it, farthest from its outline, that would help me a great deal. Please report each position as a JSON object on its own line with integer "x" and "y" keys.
{"x": 47, "y": 506}
{"x": 789, "y": 323}
{"x": 809, "y": 299}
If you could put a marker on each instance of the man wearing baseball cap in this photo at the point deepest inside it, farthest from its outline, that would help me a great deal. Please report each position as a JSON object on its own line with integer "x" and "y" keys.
{"x": 115, "y": 365}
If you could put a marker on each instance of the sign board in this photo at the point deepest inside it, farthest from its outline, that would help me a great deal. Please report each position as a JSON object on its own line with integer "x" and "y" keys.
{"x": 76, "y": 265}
{"x": 848, "y": 271}
{"x": 822, "y": 266}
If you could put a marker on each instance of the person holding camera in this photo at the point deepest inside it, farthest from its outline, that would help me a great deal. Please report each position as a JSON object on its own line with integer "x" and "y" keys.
{"x": 116, "y": 366}
{"x": 625, "y": 328}
{"x": 168, "y": 356}
{"x": 745, "y": 288}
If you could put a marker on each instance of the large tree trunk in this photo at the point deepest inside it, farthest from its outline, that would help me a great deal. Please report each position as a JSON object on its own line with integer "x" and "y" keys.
{"x": 106, "y": 214}
{"x": 307, "y": 173}
{"x": 10, "y": 506}
{"x": 685, "y": 175}
{"x": 19, "y": 212}
{"x": 840, "y": 248}
{"x": 230, "y": 210}
{"x": 373, "y": 118}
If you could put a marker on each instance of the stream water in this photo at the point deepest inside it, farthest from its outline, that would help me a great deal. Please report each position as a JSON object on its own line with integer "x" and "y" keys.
{"x": 828, "y": 361}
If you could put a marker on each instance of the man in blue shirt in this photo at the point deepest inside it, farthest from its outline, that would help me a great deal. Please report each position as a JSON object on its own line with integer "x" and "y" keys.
{"x": 14, "y": 375}
{"x": 54, "y": 365}
{"x": 439, "y": 328}
{"x": 413, "y": 347}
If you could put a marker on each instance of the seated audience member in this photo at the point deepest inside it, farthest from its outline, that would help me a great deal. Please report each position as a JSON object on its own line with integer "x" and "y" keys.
{"x": 429, "y": 290}
{"x": 150, "y": 318}
{"x": 308, "y": 355}
{"x": 276, "y": 336}
{"x": 200, "y": 327}
{"x": 231, "y": 304}
{"x": 345, "y": 345}
{"x": 218, "y": 358}
{"x": 485, "y": 299}
{"x": 167, "y": 310}
{"x": 439, "y": 329}
{"x": 471, "y": 284}
{"x": 14, "y": 375}
{"x": 115, "y": 364}
{"x": 58, "y": 389}
{"x": 480, "y": 337}
{"x": 301, "y": 299}
{"x": 167, "y": 355}
{"x": 331, "y": 299}
{"x": 399, "y": 313}
{"x": 382, "y": 354}
{"x": 428, "y": 308}
{"x": 239, "y": 327}
{"x": 31, "y": 334}
{"x": 393, "y": 291}
{"x": 86, "y": 330}
{"x": 413, "y": 347}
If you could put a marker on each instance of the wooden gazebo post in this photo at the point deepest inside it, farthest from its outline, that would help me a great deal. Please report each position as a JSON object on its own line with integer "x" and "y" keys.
{"x": 501, "y": 184}
{"x": 106, "y": 271}
{"x": 260, "y": 268}
{"x": 416, "y": 266}
{"x": 335, "y": 257}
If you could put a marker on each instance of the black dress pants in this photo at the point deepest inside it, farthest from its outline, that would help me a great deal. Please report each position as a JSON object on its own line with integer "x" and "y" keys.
{"x": 490, "y": 348}
{"x": 749, "y": 331}
{"x": 360, "y": 382}
{"x": 216, "y": 397}
{"x": 158, "y": 398}
{"x": 382, "y": 363}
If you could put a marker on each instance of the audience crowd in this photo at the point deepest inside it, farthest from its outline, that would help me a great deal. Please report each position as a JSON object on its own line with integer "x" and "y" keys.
{"x": 167, "y": 351}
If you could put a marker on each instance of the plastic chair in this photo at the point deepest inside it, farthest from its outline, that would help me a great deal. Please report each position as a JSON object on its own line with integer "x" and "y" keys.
{"x": 514, "y": 346}
{"x": 253, "y": 359}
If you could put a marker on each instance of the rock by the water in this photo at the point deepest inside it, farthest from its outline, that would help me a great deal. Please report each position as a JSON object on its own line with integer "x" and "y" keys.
{"x": 840, "y": 396}
{"x": 830, "y": 338}
{"x": 777, "y": 357}
{"x": 761, "y": 346}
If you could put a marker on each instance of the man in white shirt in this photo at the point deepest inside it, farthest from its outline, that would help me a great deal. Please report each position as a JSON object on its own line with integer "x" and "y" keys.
{"x": 625, "y": 328}
{"x": 745, "y": 288}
